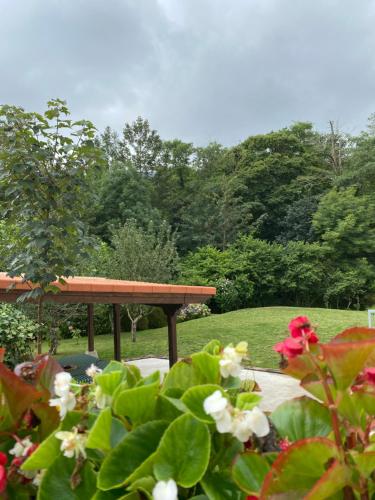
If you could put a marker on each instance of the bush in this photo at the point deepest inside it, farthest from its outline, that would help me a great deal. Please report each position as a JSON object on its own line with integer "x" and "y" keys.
{"x": 17, "y": 334}
{"x": 193, "y": 311}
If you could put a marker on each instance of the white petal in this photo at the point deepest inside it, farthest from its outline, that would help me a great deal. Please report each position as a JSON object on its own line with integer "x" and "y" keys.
{"x": 224, "y": 424}
{"x": 165, "y": 490}
{"x": 259, "y": 422}
{"x": 215, "y": 403}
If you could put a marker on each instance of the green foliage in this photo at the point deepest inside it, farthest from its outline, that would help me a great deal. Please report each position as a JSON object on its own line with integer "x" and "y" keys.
{"x": 44, "y": 161}
{"x": 17, "y": 334}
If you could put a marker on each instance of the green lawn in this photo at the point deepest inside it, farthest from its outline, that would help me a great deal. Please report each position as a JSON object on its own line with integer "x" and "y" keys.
{"x": 261, "y": 328}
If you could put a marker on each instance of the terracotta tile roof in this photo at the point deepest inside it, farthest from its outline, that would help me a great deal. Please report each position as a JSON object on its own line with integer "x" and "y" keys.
{"x": 92, "y": 285}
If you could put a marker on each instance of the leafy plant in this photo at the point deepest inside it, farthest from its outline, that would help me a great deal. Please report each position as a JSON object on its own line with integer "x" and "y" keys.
{"x": 128, "y": 436}
{"x": 193, "y": 311}
{"x": 17, "y": 334}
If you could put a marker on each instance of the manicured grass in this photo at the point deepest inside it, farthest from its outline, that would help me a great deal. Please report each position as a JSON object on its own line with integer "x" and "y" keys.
{"x": 260, "y": 327}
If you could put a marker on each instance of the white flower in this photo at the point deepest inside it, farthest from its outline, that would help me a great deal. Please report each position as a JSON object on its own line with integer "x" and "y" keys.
{"x": 165, "y": 490}
{"x": 62, "y": 383}
{"x": 219, "y": 408}
{"x": 73, "y": 443}
{"x": 64, "y": 404}
{"x": 230, "y": 363}
{"x": 258, "y": 421}
{"x": 21, "y": 447}
{"x": 241, "y": 426}
{"x": 101, "y": 399}
{"x": 93, "y": 370}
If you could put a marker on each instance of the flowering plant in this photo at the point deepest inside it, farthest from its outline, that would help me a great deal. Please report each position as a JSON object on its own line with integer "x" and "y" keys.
{"x": 132, "y": 437}
{"x": 193, "y": 311}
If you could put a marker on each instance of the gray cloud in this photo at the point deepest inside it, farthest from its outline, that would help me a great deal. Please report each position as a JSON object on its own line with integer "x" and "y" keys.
{"x": 200, "y": 70}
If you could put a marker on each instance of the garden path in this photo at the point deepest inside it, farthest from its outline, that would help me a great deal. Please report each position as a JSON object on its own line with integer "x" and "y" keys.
{"x": 275, "y": 387}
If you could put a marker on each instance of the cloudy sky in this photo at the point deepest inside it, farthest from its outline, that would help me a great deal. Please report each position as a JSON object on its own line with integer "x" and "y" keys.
{"x": 199, "y": 70}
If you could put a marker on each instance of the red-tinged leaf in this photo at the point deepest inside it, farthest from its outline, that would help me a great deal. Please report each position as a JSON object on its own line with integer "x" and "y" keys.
{"x": 45, "y": 373}
{"x": 355, "y": 334}
{"x": 347, "y": 359}
{"x": 49, "y": 418}
{"x": 296, "y": 470}
{"x": 331, "y": 482}
{"x": 300, "y": 366}
{"x": 351, "y": 408}
{"x": 18, "y": 394}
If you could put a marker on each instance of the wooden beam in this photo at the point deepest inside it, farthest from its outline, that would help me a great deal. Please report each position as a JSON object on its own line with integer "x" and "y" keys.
{"x": 171, "y": 311}
{"x": 90, "y": 328}
{"x": 117, "y": 331}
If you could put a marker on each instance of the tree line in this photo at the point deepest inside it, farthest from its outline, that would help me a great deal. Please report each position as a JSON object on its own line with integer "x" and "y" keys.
{"x": 282, "y": 218}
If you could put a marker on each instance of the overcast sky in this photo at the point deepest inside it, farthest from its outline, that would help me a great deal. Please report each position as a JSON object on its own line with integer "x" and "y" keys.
{"x": 199, "y": 70}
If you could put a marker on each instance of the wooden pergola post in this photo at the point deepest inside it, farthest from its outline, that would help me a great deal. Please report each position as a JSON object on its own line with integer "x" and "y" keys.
{"x": 90, "y": 328}
{"x": 171, "y": 312}
{"x": 117, "y": 331}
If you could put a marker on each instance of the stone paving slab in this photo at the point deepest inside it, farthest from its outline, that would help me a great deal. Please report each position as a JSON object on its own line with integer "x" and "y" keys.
{"x": 276, "y": 388}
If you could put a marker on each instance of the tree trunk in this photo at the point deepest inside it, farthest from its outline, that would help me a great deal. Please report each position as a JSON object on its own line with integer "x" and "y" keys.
{"x": 134, "y": 329}
{"x": 40, "y": 318}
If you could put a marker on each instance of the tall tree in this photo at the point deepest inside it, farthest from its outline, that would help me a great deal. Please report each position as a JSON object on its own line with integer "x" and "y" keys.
{"x": 44, "y": 160}
{"x": 141, "y": 146}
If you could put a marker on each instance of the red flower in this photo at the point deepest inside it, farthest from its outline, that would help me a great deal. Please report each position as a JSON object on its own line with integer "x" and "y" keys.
{"x": 252, "y": 497}
{"x": 3, "y": 478}
{"x": 370, "y": 375}
{"x": 3, "y": 458}
{"x": 289, "y": 348}
{"x": 301, "y": 327}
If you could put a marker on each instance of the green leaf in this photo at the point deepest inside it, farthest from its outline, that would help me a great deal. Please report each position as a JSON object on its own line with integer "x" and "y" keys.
{"x": 184, "y": 452}
{"x": 347, "y": 359}
{"x": 249, "y": 471}
{"x": 194, "y": 398}
{"x": 206, "y": 367}
{"x": 136, "y": 446}
{"x": 299, "y": 468}
{"x": 247, "y": 400}
{"x": 167, "y": 409}
{"x": 181, "y": 376}
{"x": 300, "y": 366}
{"x": 56, "y": 481}
{"x": 100, "y": 435}
{"x": 365, "y": 462}
{"x": 213, "y": 347}
{"x": 219, "y": 486}
{"x": 301, "y": 418}
{"x": 137, "y": 403}
{"x": 109, "y": 381}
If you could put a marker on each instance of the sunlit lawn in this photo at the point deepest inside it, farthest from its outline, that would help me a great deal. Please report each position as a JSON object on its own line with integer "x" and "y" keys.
{"x": 260, "y": 327}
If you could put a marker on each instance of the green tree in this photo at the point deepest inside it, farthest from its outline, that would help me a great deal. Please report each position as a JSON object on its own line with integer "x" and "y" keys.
{"x": 345, "y": 222}
{"x": 142, "y": 255}
{"x": 44, "y": 161}
{"x": 141, "y": 146}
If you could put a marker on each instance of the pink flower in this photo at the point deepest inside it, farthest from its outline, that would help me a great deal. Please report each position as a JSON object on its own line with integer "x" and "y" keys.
{"x": 284, "y": 444}
{"x": 370, "y": 375}
{"x": 290, "y": 347}
{"x": 3, "y": 478}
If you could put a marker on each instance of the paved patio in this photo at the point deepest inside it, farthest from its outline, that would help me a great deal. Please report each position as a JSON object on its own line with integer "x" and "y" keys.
{"x": 275, "y": 387}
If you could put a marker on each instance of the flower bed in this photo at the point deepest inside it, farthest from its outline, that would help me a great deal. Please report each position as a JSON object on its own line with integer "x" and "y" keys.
{"x": 199, "y": 433}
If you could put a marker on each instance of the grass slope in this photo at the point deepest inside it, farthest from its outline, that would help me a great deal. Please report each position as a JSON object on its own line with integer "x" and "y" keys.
{"x": 260, "y": 327}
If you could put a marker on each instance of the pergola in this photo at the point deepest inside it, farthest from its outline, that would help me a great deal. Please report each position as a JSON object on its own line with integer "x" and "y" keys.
{"x": 90, "y": 291}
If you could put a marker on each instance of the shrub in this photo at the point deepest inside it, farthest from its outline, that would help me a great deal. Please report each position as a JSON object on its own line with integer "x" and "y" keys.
{"x": 17, "y": 334}
{"x": 193, "y": 311}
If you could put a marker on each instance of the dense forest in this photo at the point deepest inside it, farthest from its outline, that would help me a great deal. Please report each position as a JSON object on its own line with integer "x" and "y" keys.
{"x": 286, "y": 217}
{"x": 283, "y": 218}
